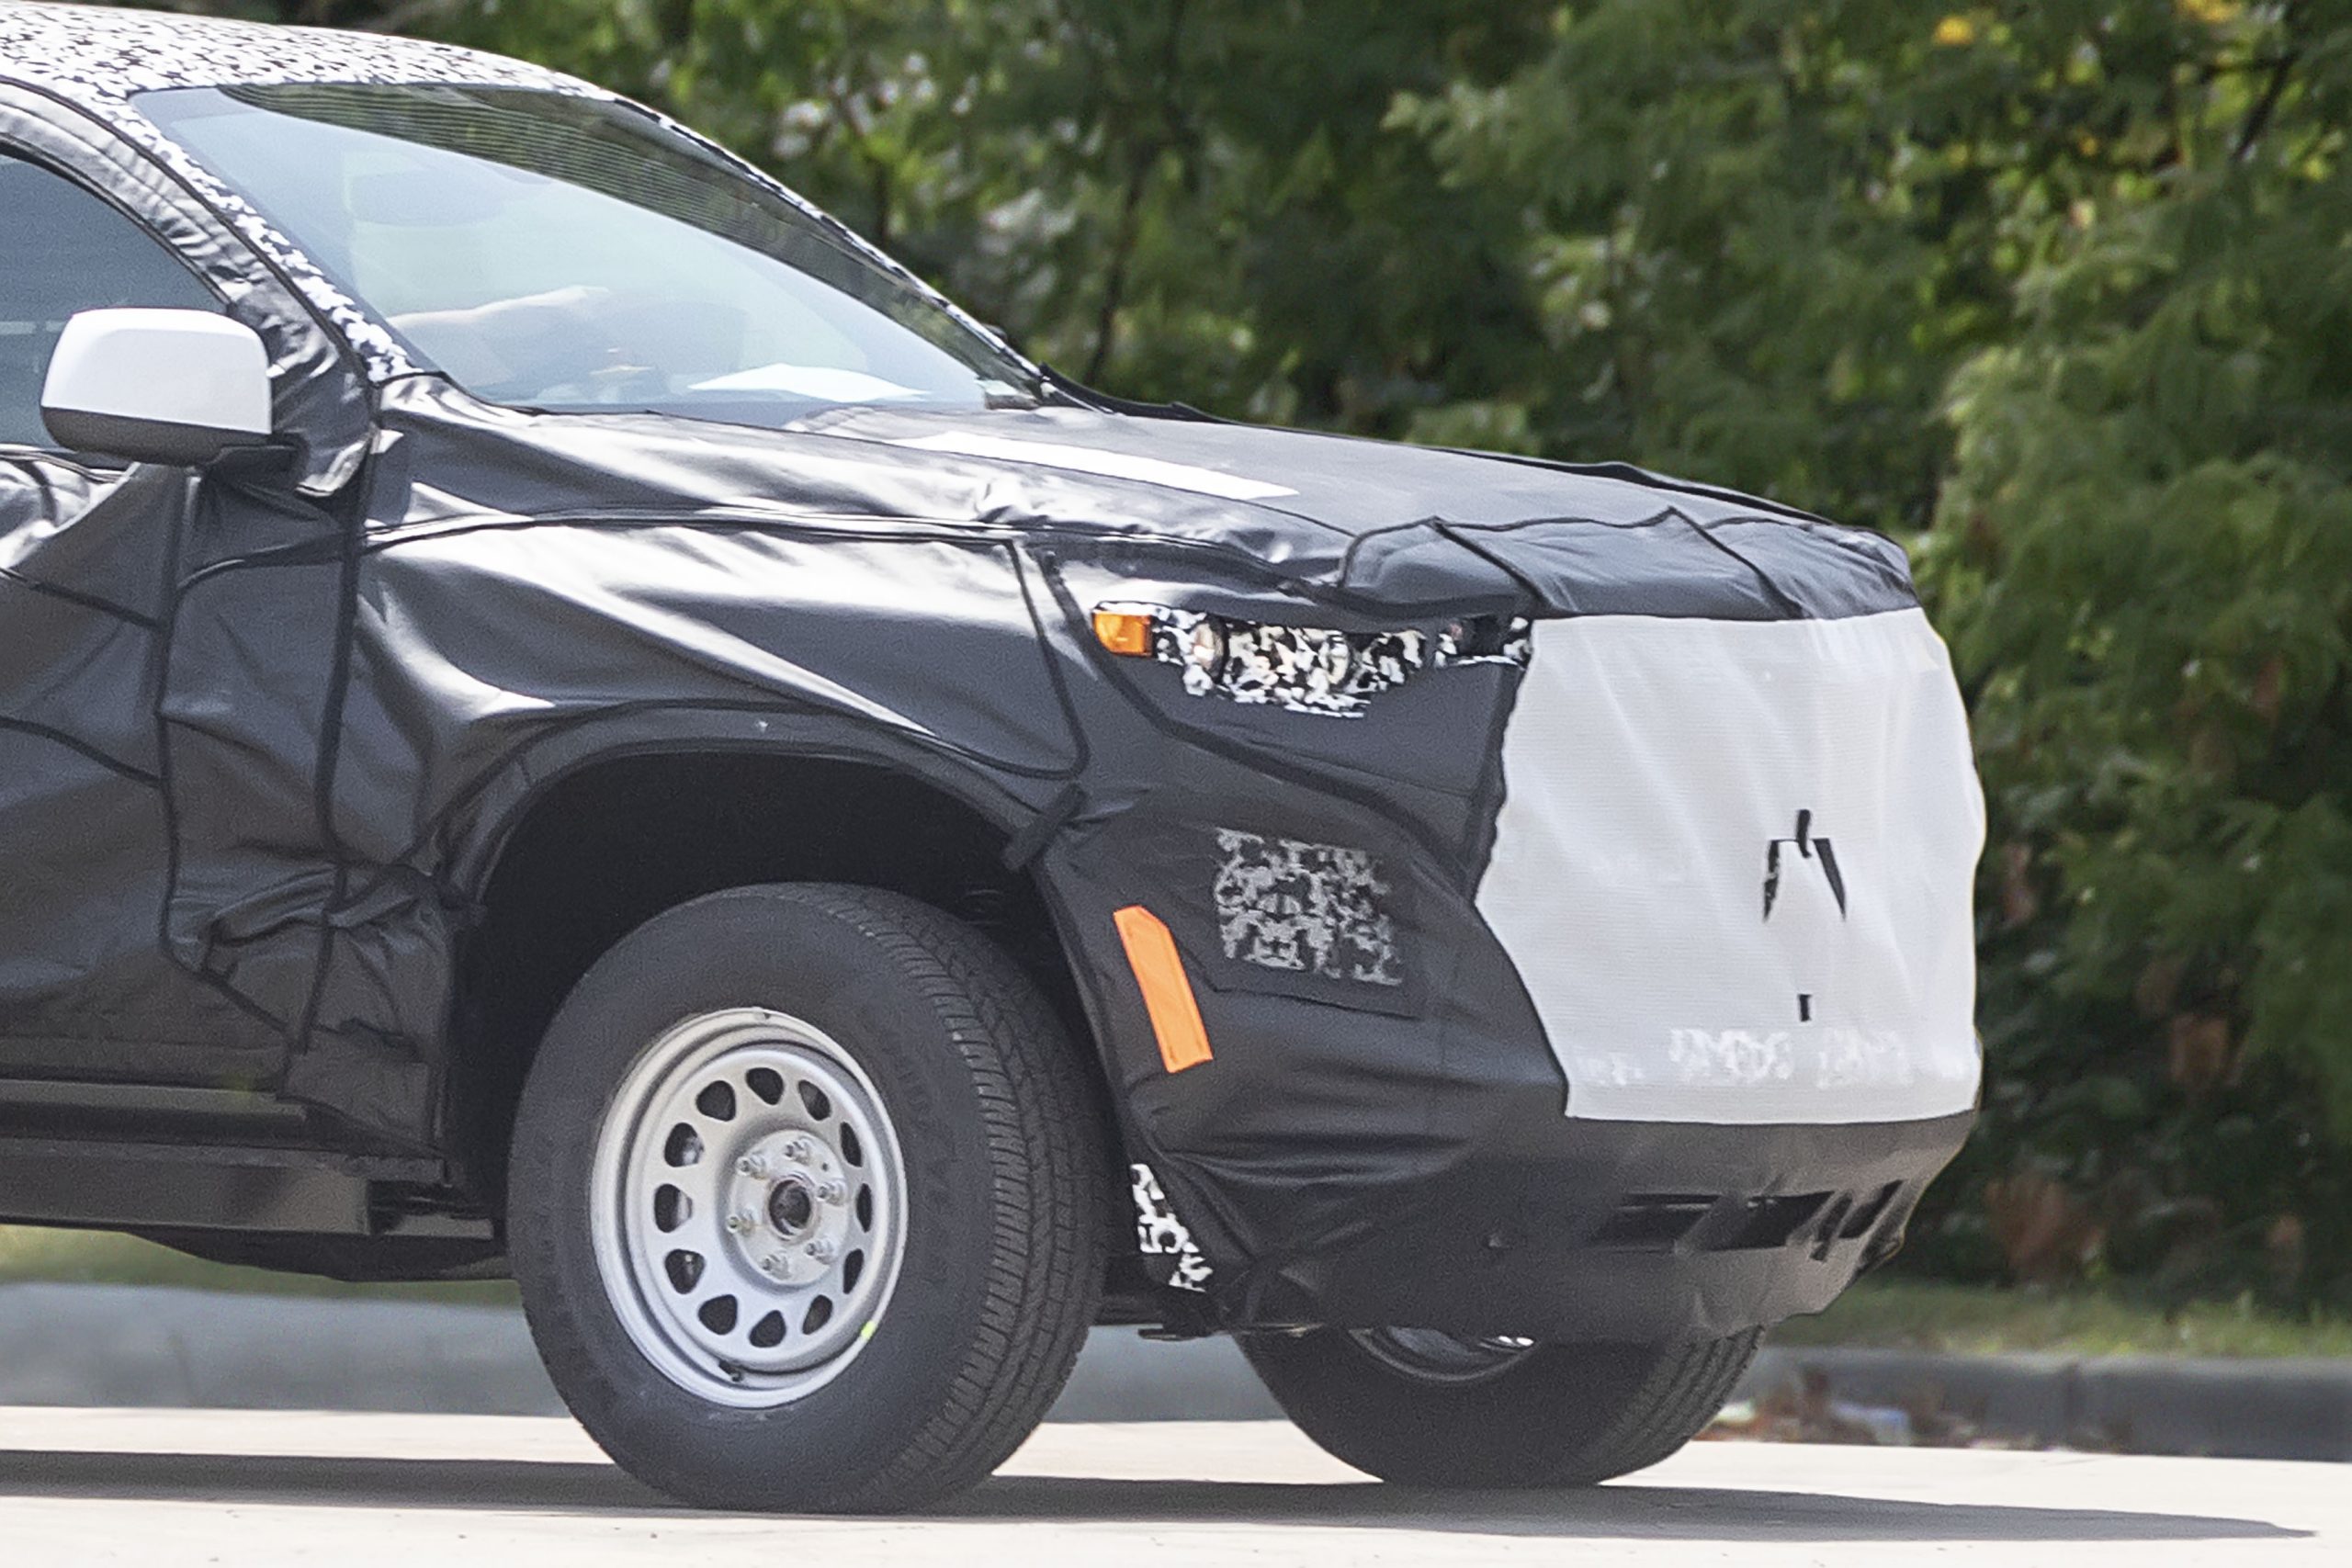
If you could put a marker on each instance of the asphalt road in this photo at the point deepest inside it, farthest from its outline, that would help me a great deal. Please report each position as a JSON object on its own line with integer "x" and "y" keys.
{"x": 160, "y": 1487}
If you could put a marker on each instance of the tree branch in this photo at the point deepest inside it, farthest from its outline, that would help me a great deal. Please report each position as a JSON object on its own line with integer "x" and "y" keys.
{"x": 1122, "y": 245}
{"x": 1130, "y": 225}
{"x": 2274, "y": 87}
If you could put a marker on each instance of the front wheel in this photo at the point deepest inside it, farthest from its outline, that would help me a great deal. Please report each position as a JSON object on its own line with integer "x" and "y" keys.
{"x": 1427, "y": 1409}
{"x": 806, "y": 1201}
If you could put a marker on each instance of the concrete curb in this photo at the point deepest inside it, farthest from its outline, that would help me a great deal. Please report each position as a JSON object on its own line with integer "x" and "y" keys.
{"x": 121, "y": 1345}
{"x": 2143, "y": 1404}
{"x": 146, "y": 1346}
{"x": 139, "y": 1346}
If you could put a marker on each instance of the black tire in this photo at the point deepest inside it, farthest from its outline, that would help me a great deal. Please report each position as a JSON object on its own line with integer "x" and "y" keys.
{"x": 1559, "y": 1416}
{"x": 1006, "y": 1176}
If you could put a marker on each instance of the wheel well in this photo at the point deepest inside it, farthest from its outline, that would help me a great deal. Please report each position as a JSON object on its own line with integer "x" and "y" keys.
{"x": 608, "y": 847}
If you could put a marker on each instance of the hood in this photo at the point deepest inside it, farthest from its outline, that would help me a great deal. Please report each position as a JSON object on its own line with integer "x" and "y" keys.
{"x": 1380, "y": 525}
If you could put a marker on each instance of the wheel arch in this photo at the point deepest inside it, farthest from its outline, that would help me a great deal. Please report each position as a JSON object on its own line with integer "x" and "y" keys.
{"x": 576, "y": 857}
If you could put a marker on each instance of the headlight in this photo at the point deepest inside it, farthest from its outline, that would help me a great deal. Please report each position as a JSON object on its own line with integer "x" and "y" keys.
{"x": 1203, "y": 651}
{"x": 1305, "y": 669}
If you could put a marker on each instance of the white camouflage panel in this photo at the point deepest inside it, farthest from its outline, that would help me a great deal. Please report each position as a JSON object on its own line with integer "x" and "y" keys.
{"x": 1159, "y": 1233}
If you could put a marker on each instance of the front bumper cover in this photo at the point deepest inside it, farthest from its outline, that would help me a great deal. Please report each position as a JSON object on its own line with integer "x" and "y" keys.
{"x": 1379, "y": 1138}
{"x": 1626, "y": 1231}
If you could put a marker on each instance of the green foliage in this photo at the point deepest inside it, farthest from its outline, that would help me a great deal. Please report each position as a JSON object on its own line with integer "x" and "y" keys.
{"x": 2143, "y": 559}
{"x": 2057, "y": 291}
{"x": 1920, "y": 1315}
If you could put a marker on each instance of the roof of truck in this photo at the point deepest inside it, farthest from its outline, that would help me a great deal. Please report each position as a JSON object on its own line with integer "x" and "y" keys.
{"x": 101, "y": 55}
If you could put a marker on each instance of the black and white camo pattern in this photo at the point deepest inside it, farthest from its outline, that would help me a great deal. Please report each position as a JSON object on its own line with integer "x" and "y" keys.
{"x": 1307, "y": 670}
{"x": 1310, "y": 909}
{"x": 97, "y": 58}
{"x": 1159, "y": 1233}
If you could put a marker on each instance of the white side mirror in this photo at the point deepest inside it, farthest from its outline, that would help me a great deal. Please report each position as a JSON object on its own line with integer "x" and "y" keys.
{"x": 156, "y": 385}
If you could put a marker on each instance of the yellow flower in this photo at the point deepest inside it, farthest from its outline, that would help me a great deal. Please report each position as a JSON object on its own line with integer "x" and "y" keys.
{"x": 1957, "y": 31}
{"x": 2213, "y": 13}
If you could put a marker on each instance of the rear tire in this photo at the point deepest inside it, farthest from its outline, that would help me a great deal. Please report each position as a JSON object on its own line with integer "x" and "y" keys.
{"x": 781, "y": 1096}
{"x": 1497, "y": 1414}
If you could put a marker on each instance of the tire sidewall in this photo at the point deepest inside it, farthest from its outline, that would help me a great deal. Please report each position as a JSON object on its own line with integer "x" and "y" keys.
{"x": 754, "y": 948}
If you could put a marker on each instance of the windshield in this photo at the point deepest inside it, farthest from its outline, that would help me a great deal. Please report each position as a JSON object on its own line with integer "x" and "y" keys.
{"x": 566, "y": 252}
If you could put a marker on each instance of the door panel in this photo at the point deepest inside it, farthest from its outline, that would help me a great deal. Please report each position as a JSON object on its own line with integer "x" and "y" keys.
{"x": 86, "y": 572}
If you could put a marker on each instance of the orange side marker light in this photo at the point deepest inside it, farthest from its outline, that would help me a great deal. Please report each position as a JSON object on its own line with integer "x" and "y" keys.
{"x": 1122, "y": 631}
{"x": 1167, "y": 994}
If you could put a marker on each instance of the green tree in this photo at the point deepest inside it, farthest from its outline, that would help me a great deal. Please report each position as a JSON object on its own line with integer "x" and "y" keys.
{"x": 2143, "y": 559}
{"x": 1743, "y": 267}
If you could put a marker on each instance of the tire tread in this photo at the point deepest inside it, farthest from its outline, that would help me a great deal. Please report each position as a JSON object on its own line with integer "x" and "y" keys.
{"x": 1567, "y": 1416}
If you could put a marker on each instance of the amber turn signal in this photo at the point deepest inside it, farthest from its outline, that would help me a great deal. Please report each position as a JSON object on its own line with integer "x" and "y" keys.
{"x": 1123, "y": 631}
{"x": 1167, "y": 998}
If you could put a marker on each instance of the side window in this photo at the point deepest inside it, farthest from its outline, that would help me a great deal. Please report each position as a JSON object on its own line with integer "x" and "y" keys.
{"x": 62, "y": 250}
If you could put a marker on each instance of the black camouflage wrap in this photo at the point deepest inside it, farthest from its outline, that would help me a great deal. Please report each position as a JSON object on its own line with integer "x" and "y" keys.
{"x": 264, "y": 732}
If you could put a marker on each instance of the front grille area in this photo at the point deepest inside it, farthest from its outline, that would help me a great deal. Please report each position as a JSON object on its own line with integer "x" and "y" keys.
{"x": 1653, "y": 1221}
{"x": 1729, "y": 1223}
{"x": 1733, "y": 866}
{"x": 1771, "y": 1221}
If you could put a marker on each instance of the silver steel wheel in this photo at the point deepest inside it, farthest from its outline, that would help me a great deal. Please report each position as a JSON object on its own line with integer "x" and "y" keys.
{"x": 750, "y": 1206}
{"x": 1428, "y": 1355}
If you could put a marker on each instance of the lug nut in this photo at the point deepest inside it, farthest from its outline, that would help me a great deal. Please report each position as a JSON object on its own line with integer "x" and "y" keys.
{"x": 820, "y": 1250}
{"x": 798, "y": 1149}
{"x": 830, "y": 1192}
{"x": 752, "y": 1165}
{"x": 741, "y": 1221}
{"x": 772, "y": 1264}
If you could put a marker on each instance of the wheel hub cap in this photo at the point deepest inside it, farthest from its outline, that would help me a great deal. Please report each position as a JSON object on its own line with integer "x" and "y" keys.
{"x": 791, "y": 1206}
